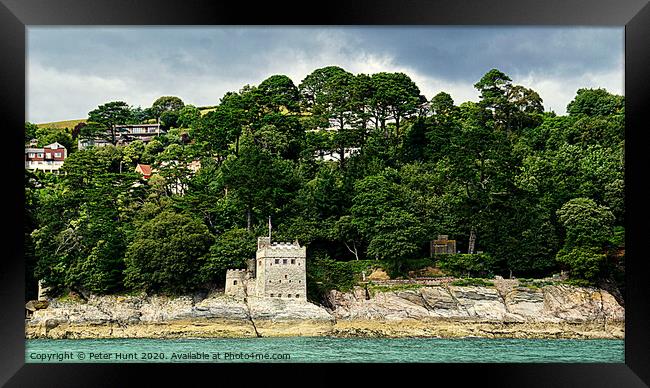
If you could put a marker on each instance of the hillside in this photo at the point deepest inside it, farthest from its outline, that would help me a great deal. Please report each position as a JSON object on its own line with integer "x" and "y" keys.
{"x": 61, "y": 124}
{"x": 71, "y": 123}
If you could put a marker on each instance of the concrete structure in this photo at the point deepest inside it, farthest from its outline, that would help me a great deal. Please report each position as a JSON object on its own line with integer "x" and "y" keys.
{"x": 42, "y": 291}
{"x": 50, "y": 158}
{"x": 279, "y": 272}
{"x": 443, "y": 245}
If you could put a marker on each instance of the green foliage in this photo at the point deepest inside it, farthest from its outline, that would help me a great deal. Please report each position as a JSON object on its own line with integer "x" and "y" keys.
{"x": 230, "y": 250}
{"x": 169, "y": 119}
{"x": 166, "y": 104}
{"x": 30, "y": 131}
{"x": 538, "y": 191}
{"x": 324, "y": 274}
{"x": 167, "y": 253}
{"x": 596, "y": 102}
{"x": 586, "y": 223}
{"x": 47, "y": 136}
{"x": 584, "y": 262}
{"x": 617, "y": 238}
{"x": 460, "y": 264}
{"x": 189, "y": 116}
{"x": 392, "y": 287}
{"x": 399, "y": 237}
{"x": 105, "y": 117}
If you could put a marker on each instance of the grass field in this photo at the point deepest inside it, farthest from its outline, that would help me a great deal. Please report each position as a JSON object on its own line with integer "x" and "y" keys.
{"x": 61, "y": 124}
{"x": 204, "y": 111}
{"x": 71, "y": 123}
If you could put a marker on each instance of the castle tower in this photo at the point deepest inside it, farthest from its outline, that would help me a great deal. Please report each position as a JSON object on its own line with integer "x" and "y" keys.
{"x": 236, "y": 282}
{"x": 281, "y": 270}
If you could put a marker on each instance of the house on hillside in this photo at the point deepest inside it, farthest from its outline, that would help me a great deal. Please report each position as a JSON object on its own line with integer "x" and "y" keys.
{"x": 144, "y": 169}
{"x": 124, "y": 134}
{"x": 50, "y": 158}
{"x": 174, "y": 183}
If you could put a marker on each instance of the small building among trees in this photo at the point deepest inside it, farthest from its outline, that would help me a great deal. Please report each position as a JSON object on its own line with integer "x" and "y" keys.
{"x": 443, "y": 245}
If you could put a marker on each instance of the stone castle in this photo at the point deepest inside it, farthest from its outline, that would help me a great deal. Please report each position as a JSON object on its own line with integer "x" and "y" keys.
{"x": 278, "y": 271}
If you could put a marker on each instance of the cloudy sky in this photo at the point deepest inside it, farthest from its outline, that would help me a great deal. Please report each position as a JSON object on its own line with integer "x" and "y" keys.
{"x": 71, "y": 71}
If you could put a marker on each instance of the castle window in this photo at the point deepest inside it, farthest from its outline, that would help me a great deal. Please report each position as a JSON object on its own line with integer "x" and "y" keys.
{"x": 271, "y": 295}
{"x": 299, "y": 281}
{"x": 284, "y": 261}
{"x": 234, "y": 282}
{"x": 277, "y": 261}
{"x": 279, "y": 281}
{"x": 285, "y": 276}
{"x": 297, "y": 296}
{"x": 260, "y": 262}
{"x": 269, "y": 280}
{"x": 293, "y": 261}
{"x": 289, "y": 281}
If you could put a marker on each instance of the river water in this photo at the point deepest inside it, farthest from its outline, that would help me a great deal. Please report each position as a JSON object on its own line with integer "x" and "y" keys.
{"x": 324, "y": 349}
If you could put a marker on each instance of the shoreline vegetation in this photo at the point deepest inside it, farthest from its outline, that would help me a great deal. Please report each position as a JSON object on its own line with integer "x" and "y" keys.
{"x": 362, "y": 170}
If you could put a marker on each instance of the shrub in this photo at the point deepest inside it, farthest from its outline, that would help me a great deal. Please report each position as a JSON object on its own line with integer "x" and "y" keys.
{"x": 167, "y": 253}
{"x": 461, "y": 264}
{"x": 584, "y": 262}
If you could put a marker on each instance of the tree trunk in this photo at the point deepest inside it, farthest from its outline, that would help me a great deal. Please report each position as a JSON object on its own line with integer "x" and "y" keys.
{"x": 354, "y": 252}
{"x": 248, "y": 219}
{"x": 397, "y": 126}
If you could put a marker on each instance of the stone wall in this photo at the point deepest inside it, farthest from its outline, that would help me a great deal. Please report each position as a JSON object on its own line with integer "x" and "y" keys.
{"x": 236, "y": 282}
{"x": 281, "y": 271}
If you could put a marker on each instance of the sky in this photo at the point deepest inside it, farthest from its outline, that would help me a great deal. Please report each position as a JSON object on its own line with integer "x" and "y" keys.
{"x": 72, "y": 70}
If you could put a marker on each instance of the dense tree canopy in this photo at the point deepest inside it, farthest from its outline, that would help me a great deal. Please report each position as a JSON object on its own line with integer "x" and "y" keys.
{"x": 355, "y": 166}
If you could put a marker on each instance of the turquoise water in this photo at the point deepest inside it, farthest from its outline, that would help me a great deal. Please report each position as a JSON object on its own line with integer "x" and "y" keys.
{"x": 324, "y": 349}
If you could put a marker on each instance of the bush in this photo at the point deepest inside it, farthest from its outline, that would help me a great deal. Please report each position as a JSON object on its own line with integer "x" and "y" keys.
{"x": 167, "y": 253}
{"x": 617, "y": 240}
{"x": 462, "y": 264}
{"x": 325, "y": 274}
{"x": 230, "y": 250}
{"x": 583, "y": 262}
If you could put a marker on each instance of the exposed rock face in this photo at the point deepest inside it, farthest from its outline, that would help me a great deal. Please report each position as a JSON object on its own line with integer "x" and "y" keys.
{"x": 157, "y": 316}
{"x": 506, "y": 310}
{"x": 549, "y": 304}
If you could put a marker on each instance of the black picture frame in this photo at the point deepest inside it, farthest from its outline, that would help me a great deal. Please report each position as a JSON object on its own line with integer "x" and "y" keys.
{"x": 15, "y": 15}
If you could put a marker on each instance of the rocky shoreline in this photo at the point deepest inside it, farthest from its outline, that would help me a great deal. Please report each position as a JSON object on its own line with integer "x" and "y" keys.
{"x": 504, "y": 311}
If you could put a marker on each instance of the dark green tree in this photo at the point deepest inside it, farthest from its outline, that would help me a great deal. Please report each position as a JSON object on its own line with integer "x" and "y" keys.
{"x": 167, "y": 253}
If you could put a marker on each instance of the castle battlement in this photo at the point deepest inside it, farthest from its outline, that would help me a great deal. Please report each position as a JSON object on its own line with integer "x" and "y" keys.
{"x": 286, "y": 245}
{"x": 278, "y": 271}
{"x": 235, "y": 271}
{"x": 236, "y": 280}
{"x": 293, "y": 252}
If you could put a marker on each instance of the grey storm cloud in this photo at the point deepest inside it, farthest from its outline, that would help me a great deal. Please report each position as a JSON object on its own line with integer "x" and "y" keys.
{"x": 72, "y": 70}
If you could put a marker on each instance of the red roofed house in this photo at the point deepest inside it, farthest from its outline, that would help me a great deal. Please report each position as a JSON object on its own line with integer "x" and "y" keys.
{"x": 144, "y": 169}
